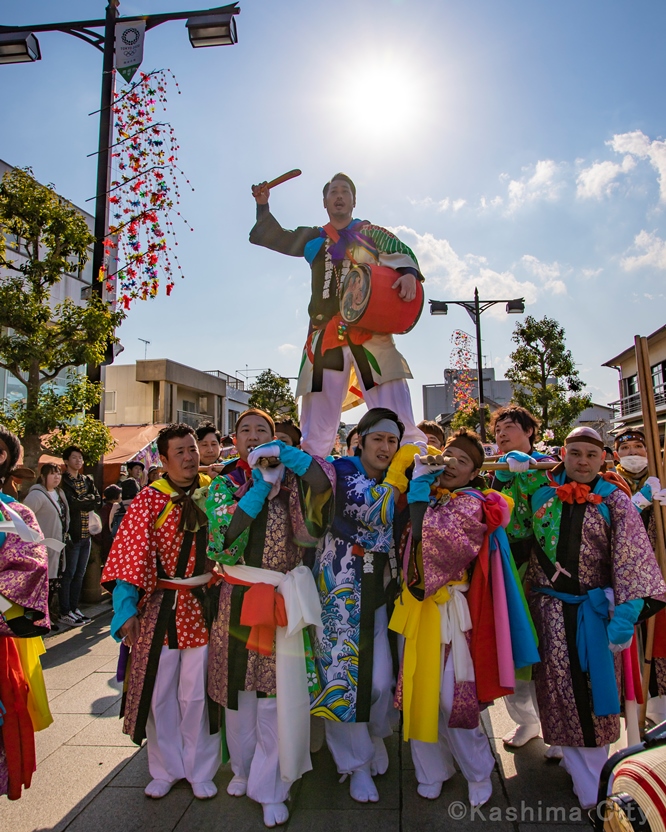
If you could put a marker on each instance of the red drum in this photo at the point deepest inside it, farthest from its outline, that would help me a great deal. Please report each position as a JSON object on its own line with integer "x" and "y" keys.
{"x": 369, "y": 301}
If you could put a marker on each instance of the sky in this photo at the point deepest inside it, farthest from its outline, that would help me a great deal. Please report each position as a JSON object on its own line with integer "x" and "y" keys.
{"x": 516, "y": 145}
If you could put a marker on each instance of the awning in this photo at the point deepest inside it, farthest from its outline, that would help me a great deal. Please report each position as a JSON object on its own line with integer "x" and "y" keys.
{"x": 133, "y": 442}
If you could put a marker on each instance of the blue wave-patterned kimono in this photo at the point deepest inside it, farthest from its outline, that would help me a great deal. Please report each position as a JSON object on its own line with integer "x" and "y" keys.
{"x": 349, "y": 571}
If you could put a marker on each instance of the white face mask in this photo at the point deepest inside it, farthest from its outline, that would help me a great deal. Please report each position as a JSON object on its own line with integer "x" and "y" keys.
{"x": 634, "y": 464}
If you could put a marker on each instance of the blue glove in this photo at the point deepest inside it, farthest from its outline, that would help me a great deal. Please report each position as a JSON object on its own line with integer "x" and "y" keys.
{"x": 419, "y": 488}
{"x": 294, "y": 458}
{"x": 621, "y": 627}
{"x": 125, "y": 601}
{"x": 3, "y": 711}
{"x": 253, "y": 501}
{"x": 518, "y": 462}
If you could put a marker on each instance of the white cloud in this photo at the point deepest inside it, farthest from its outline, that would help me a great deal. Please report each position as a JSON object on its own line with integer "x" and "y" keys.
{"x": 439, "y": 205}
{"x": 652, "y": 252}
{"x": 598, "y": 180}
{"x": 638, "y": 144}
{"x": 457, "y": 275}
{"x": 543, "y": 183}
{"x": 548, "y": 274}
{"x": 288, "y": 349}
{"x": 588, "y": 274}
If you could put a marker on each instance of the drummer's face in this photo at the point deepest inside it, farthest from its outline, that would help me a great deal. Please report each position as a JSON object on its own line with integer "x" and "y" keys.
{"x": 377, "y": 451}
{"x": 339, "y": 200}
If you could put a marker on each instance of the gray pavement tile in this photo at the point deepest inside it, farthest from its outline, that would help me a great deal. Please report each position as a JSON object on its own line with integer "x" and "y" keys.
{"x": 573, "y": 825}
{"x": 321, "y": 787}
{"x": 129, "y": 810}
{"x": 110, "y": 666}
{"x": 135, "y": 774}
{"x": 344, "y": 820}
{"x": 496, "y": 720}
{"x": 222, "y": 811}
{"x": 63, "y": 728}
{"x": 66, "y": 675}
{"x": 62, "y": 785}
{"x": 92, "y": 695}
{"x": 530, "y": 777}
{"x": 104, "y": 730}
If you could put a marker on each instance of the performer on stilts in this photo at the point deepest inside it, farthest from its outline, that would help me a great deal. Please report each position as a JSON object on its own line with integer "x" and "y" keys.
{"x": 343, "y": 364}
{"x": 260, "y": 518}
{"x": 161, "y": 573}
{"x": 353, "y": 565}
{"x": 456, "y": 651}
{"x": 593, "y": 576}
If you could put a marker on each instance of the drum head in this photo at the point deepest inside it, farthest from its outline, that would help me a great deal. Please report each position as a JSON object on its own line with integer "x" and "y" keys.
{"x": 355, "y": 294}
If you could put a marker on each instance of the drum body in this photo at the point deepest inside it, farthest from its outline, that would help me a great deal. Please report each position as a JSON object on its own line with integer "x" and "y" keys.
{"x": 369, "y": 301}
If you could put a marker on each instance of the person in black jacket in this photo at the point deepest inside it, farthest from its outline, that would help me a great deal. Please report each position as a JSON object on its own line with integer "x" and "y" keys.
{"x": 82, "y": 498}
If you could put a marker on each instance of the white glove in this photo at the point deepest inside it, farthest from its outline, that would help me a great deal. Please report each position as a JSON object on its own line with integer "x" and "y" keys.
{"x": 660, "y": 496}
{"x": 618, "y": 648}
{"x": 421, "y": 468}
{"x": 655, "y": 485}
{"x": 640, "y": 501}
{"x": 274, "y": 476}
{"x": 267, "y": 451}
{"x": 518, "y": 466}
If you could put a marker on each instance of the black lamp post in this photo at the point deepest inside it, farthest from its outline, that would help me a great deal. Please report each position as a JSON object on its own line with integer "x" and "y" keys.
{"x": 474, "y": 309}
{"x": 18, "y": 44}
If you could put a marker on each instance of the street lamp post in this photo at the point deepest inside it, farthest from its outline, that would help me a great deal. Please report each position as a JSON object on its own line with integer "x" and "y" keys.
{"x": 474, "y": 309}
{"x": 18, "y": 44}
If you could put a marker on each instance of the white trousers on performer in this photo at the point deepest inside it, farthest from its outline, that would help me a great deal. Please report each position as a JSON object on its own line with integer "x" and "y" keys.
{"x": 252, "y": 738}
{"x": 584, "y": 765}
{"x": 656, "y": 709}
{"x": 522, "y": 704}
{"x": 350, "y": 743}
{"x": 320, "y": 412}
{"x": 179, "y": 740}
{"x": 469, "y": 747}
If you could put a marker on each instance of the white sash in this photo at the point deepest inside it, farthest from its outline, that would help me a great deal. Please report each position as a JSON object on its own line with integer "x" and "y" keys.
{"x": 455, "y": 622}
{"x": 17, "y": 525}
{"x": 302, "y": 605}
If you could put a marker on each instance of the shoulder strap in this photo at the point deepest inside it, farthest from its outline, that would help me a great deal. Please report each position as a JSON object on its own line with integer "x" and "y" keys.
{"x": 331, "y": 231}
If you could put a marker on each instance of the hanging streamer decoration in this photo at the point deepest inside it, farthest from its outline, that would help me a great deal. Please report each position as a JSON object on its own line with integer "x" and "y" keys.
{"x": 461, "y": 362}
{"x": 145, "y": 194}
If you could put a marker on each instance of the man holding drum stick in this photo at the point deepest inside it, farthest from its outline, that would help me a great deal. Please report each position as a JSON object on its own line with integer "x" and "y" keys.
{"x": 344, "y": 364}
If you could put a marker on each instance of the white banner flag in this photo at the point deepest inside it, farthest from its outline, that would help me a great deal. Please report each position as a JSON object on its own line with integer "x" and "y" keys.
{"x": 129, "y": 46}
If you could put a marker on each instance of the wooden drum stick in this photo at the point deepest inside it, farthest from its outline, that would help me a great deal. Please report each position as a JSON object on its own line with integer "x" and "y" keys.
{"x": 292, "y": 174}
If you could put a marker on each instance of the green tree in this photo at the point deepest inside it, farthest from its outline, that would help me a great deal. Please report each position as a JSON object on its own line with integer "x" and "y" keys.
{"x": 544, "y": 377}
{"x": 272, "y": 393}
{"x": 43, "y": 238}
{"x": 469, "y": 418}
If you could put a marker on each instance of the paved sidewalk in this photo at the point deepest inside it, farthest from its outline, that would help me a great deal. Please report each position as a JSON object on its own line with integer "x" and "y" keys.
{"x": 90, "y": 776}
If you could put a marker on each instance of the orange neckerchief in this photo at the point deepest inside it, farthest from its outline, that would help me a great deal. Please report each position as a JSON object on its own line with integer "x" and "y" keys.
{"x": 577, "y": 492}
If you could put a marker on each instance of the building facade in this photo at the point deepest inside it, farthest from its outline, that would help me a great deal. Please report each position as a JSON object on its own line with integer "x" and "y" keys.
{"x": 159, "y": 391}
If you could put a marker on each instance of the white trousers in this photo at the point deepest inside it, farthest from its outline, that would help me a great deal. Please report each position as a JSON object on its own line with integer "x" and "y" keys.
{"x": 469, "y": 747}
{"x": 350, "y": 743}
{"x": 179, "y": 740}
{"x": 584, "y": 765}
{"x": 656, "y": 709}
{"x": 252, "y": 737}
{"x": 522, "y": 703}
{"x": 320, "y": 412}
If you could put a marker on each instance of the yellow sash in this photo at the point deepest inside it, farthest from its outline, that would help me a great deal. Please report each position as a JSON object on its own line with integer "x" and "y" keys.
{"x": 29, "y": 650}
{"x": 419, "y": 623}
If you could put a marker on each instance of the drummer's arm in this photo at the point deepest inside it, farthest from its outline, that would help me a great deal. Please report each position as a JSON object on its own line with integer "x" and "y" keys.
{"x": 406, "y": 283}
{"x": 268, "y": 232}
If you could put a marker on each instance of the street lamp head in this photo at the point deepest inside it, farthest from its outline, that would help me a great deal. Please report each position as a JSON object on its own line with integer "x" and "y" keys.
{"x": 18, "y": 48}
{"x": 217, "y": 29}
{"x": 438, "y": 307}
{"x": 515, "y": 307}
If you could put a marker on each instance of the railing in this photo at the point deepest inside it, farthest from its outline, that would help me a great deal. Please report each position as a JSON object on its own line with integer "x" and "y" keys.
{"x": 192, "y": 419}
{"x": 631, "y": 405}
{"x": 232, "y": 381}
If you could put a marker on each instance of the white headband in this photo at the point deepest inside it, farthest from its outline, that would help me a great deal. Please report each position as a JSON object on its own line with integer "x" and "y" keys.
{"x": 383, "y": 426}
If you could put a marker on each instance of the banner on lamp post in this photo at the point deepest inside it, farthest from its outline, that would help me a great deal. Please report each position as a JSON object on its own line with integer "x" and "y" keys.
{"x": 129, "y": 47}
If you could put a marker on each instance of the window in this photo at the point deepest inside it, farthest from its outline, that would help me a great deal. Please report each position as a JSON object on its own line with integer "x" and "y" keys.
{"x": 630, "y": 385}
{"x": 189, "y": 407}
{"x": 110, "y": 401}
{"x": 232, "y": 418}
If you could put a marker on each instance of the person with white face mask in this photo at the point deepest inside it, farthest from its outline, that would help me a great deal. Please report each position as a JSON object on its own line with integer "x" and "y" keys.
{"x": 632, "y": 465}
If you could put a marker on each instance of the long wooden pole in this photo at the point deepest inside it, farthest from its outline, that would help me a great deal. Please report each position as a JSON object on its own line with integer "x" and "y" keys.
{"x": 655, "y": 469}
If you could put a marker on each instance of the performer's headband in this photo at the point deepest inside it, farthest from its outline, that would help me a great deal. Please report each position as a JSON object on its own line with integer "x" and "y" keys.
{"x": 383, "y": 426}
{"x": 469, "y": 447}
{"x": 583, "y": 437}
{"x": 629, "y": 436}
